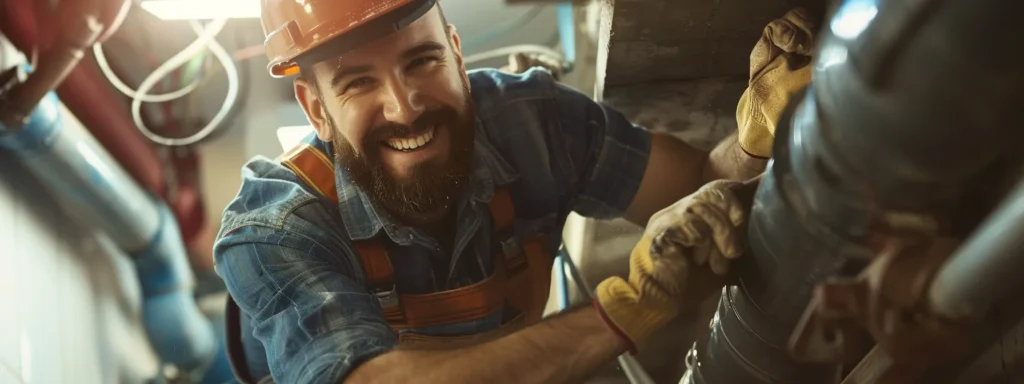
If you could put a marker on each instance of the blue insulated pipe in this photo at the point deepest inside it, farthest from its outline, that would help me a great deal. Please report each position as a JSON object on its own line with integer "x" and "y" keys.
{"x": 90, "y": 185}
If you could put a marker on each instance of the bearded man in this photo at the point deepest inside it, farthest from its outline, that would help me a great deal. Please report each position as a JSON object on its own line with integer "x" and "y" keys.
{"x": 410, "y": 239}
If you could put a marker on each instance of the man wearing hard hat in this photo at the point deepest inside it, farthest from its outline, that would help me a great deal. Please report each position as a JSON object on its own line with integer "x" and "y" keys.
{"x": 410, "y": 240}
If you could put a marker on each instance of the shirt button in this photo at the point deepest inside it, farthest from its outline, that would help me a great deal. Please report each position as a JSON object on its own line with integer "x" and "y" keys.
{"x": 410, "y": 236}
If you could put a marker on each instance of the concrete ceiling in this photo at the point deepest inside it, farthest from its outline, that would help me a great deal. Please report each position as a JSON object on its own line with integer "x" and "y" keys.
{"x": 659, "y": 40}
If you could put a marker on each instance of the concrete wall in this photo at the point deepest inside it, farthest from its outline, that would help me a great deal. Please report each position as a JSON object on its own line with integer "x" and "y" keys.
{"x": 659, "y": 40}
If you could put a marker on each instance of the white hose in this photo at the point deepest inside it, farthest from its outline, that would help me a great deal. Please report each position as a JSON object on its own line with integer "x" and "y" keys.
{"x": 101, "y": 59}
{"x": 205, "y": 40}
{"x": 505, "y": 51}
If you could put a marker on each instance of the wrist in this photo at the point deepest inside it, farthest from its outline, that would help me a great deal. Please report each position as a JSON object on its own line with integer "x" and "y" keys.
{"x": 619, "y": 335}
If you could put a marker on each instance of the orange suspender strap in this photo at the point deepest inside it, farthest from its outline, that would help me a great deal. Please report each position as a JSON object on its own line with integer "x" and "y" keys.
{"x": 314, "y": 168}
{"x": 518, "y": 285}
{"x": 506, "y": 243}
{"x": 424, "y": 310}
{"x": 525, "y": 260}
{"x": 525, "y": 291}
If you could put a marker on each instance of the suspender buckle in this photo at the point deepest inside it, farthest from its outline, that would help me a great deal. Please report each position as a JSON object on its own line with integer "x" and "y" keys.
{"x": 511, "y": 247}
{"x": 386, "y": 297}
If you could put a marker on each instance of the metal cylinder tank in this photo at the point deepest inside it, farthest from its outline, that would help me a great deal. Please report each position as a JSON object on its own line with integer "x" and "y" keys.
{"x": 909, "y": 101}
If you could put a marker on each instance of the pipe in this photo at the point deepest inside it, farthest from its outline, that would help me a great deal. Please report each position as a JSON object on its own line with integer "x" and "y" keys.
{"x": 993, "y": 251}
{"x": 910, "y": 99}
{"x": 87, "y": 94}
{"x": 89, "y": 97}
{"x": 70, "y": 162}
{"x": 89, "y": 184}
{"x": 59, "y": 60}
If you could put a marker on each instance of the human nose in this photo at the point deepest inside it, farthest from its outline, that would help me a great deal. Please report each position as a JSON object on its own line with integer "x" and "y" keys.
{"x": 402, "y": 103}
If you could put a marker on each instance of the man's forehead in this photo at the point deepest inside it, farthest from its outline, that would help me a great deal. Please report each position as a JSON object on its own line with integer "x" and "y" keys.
{"x": 428, "y": 28}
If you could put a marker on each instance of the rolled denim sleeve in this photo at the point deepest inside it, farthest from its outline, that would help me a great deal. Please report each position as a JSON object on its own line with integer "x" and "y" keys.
{"x": 315, "y": 320}
{"x": 608, "y": 153}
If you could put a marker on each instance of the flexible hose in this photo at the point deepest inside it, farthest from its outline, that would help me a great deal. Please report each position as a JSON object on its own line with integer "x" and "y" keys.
{"x": 108, "y": 72}
{"x": 206, "y": 39}
{"x": 505, "y": 51}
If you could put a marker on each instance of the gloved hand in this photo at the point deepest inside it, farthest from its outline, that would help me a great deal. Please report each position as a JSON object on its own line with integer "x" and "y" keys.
{"x": 779, "y": 67}
{"x": 665, "y": 266}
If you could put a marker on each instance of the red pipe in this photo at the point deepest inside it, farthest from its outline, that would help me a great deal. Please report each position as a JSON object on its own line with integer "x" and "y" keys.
{"x": 88, "y": 95}
{"x": 188, "y": 204}
{"x": 90, "y": 98}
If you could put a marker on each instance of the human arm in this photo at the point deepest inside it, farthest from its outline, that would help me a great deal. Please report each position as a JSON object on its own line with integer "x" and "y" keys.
{"x": 690, "y": 256}
{"x": 779, "y": 68}
{"x": 675, "y": 169}
{"x": 313, "y": 318}
{"x": 616, "y": 168}
{"x": 318, "y": 324}
{"x": 565, "y": 348}
{"x": 632, "y": 170}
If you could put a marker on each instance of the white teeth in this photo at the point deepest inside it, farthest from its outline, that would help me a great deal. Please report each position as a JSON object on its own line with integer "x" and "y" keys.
{"x": 412, "y": 143}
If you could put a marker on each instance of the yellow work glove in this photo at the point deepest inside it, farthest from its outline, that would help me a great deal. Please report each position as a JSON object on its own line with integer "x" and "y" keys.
{"x": 779, "y": 67}
{"x": 665, "y": 268}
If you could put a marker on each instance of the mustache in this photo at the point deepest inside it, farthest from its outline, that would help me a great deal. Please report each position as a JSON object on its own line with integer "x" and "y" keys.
{"x": 425, "y": 121}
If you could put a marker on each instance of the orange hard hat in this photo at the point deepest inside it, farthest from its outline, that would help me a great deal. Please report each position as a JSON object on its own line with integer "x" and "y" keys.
{"x": 313, "y": 30}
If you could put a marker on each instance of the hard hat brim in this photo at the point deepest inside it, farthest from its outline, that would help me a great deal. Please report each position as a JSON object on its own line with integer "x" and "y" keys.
{"x": 342, "y": 40}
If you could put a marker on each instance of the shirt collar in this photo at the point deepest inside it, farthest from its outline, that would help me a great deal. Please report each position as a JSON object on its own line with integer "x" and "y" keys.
{"x": 363, "y": 220}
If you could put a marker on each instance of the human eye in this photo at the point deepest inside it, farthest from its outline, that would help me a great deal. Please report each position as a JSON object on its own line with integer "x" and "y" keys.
{"x": 422, "y": 61}
{"x": 359, "y": 83}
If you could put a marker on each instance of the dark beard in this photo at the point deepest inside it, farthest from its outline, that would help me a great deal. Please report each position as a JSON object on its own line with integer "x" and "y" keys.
{"x": 433, "y": 188}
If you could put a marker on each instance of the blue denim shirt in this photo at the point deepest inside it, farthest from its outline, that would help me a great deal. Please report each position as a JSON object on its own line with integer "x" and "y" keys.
{"x": 287, "y": 255}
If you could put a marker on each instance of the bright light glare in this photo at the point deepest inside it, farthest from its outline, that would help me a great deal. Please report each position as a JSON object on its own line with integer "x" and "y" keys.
{"x": 831, "y": 55}
{"x": 853, "y": 17}
{"x": 202, "y": 9}
{"x": 289, "y": 137}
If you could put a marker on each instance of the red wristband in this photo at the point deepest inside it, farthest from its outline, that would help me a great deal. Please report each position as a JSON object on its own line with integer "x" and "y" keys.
{"x": 630, "y": 347}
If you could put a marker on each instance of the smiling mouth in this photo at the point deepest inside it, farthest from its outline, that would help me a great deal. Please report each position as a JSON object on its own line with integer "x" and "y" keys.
{"x": 409, "y": 144}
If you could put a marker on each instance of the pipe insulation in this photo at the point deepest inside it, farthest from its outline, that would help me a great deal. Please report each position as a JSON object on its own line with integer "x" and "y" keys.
{"x": 87, "y": 94}
{"x": 909, "y": 101}
{"x": 90, "y": 186}
{"x": 993, "y": 251}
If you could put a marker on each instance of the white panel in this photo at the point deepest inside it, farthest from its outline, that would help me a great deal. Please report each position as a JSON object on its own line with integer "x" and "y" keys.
{"x": 8, "y": 375}
{"x": 70, "y": 298}
{"x": 10, "y": 299}
{"x": 40, "y": 270}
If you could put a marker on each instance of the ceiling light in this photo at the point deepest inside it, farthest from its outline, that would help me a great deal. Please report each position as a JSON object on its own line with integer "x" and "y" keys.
{"x": 202, "y": 9}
